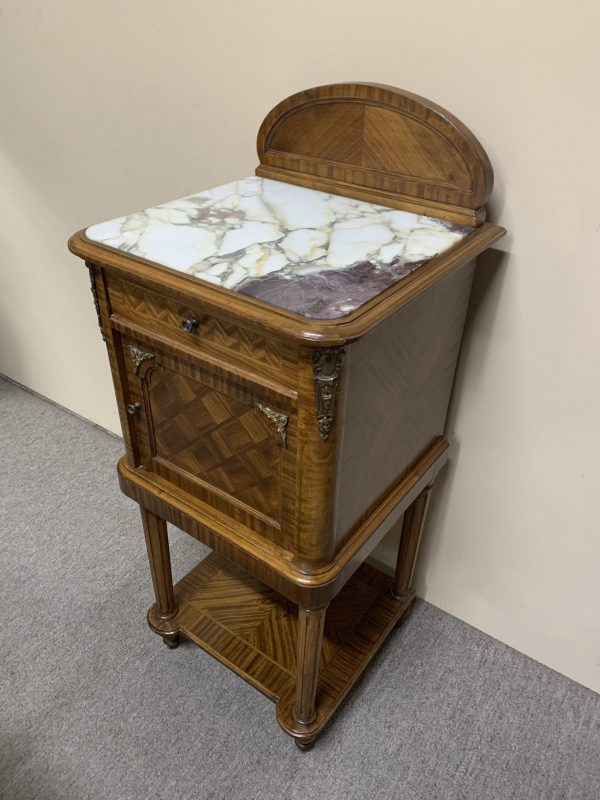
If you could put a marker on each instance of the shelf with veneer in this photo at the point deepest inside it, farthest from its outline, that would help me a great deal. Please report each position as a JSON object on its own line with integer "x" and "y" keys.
{"x": 253, "y": 630}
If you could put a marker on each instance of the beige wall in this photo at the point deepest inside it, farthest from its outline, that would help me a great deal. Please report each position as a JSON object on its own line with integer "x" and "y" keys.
{"x": 111, "y": 106}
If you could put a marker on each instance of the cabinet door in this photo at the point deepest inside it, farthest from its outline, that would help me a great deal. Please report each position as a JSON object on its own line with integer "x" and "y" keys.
{"x": 221, "y": 435}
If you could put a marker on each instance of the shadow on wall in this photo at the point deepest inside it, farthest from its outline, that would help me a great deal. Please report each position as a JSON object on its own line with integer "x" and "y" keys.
{"x": 481, "y": 316}
{"x": 10, "y": 350}
{"x": 485, "y": 294}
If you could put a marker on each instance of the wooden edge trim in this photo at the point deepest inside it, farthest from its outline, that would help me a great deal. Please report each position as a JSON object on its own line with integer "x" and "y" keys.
{"x": 226, "y": 302}
{"x": 139, "y": 484}
{"x": 451, "y": 133}
{"x": 419, "y": 281}
{"x": 416, "y": 205}
{"x": 199, "y": 357}
{"x": 329, "y": 578}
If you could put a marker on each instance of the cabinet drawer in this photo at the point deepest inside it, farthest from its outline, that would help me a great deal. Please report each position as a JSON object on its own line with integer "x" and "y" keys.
{"x": 224, "y": 438}
{"x": 164, "y": 314}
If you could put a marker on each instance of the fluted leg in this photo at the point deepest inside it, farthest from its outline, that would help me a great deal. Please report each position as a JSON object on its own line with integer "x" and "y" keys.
{"x": 157, "y": 544}
{"x": 310, "y": 638}
{"x": 410, "y": 539}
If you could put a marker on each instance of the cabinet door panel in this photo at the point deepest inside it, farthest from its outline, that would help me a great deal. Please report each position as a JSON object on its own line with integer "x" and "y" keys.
{"x": 216, "y": 437}
{"x": 226, "y": 439}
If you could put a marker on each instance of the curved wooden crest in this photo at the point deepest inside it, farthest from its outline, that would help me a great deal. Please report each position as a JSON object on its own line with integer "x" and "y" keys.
{"x": 379, "y": 144}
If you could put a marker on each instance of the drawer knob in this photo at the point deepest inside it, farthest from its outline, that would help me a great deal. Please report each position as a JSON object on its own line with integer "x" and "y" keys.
{"x": 189, "y": 325}
{"x": 133, "y": 408}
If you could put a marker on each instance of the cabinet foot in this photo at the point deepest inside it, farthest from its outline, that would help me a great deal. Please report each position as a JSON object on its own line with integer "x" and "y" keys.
{"x": 172, "y": 640}
{"x": 304, "y": 746}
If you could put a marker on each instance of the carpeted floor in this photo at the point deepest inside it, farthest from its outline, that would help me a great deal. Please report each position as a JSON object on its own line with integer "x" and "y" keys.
{"x": 93, "y": 705}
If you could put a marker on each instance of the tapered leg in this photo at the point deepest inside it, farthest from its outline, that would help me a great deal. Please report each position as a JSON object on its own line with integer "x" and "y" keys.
{"x": 310, "y": 638}
{"x": 410, "y": 539}
{"x": 157, "y": 544}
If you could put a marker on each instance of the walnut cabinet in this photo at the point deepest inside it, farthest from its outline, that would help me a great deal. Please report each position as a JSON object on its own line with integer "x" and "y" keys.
{"x": 283, "y": 350}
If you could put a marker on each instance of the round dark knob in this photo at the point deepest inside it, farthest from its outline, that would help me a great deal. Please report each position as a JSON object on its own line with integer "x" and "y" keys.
{"x": 189, "y": 325}
{"x": 133, "y": 408}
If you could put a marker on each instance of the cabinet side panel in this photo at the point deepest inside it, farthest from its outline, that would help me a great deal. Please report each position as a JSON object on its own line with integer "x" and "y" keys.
{"x": 396, "y": 395}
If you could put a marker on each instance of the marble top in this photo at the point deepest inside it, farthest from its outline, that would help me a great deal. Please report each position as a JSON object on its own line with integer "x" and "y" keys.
{"x": 319, "y": 255}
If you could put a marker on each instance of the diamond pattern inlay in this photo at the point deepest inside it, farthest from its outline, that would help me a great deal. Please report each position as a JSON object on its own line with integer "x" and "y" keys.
{"x": 151, "y": 307}
{"x": 220, "y": 439}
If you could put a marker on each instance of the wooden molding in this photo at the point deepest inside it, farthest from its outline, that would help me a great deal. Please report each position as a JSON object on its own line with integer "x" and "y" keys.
{"x": 380, "y": 144}
{"x": 286, "y": 324}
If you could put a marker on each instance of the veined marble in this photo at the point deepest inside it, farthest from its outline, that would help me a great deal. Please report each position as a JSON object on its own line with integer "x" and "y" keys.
{"x": 319, "y": 255}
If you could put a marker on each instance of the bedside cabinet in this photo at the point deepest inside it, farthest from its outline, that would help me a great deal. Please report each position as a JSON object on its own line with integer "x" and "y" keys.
{"x": 283, "y": 349}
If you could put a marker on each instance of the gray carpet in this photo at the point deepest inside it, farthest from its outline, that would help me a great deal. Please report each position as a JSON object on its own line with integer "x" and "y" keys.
{"x": 93, "y": 705}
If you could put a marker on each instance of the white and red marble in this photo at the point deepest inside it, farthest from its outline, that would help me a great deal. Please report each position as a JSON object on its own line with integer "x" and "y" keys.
{"x": 316, "y": 254}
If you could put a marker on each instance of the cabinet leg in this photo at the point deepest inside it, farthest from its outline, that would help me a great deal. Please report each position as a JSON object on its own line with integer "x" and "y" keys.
{"x": 410, "y": 539}
{"x": 310, "y": 638}
{"x": 157, "y": 544}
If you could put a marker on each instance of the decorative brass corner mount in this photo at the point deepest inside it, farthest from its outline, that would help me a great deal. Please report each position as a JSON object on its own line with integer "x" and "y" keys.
{"x": 138, "y": 357}
{"x": 278, "y": 420}
{"x": 327, "y": 368}
{"x": 92, "y": 274}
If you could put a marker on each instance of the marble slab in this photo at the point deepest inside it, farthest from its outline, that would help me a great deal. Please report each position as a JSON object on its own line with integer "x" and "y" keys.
{"x": 319, "y": 255}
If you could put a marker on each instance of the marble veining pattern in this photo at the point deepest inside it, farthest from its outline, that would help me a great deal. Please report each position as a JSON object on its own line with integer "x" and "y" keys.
{"x": 319, "y": 255}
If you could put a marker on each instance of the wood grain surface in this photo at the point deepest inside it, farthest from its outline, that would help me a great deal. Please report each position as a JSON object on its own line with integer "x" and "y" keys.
{"x": 255, "y": 632}
{"x": 396, "y": 394}
{"x": 380, "y": 144}
{"x": 287, "y": 445}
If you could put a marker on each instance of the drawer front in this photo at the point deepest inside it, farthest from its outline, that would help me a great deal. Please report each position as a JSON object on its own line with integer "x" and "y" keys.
{"x": 227, "y": 440}
{"x": 165, "y": 314}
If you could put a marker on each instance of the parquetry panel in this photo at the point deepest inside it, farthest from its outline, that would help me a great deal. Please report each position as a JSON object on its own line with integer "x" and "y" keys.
{"x": 150, "y": 308}
{"x": 230, "y": 337}
{"x": 222, "y": 440}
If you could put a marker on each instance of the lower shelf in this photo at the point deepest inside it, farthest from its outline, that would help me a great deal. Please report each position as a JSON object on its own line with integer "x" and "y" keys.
{"x": 252, "y": 630}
